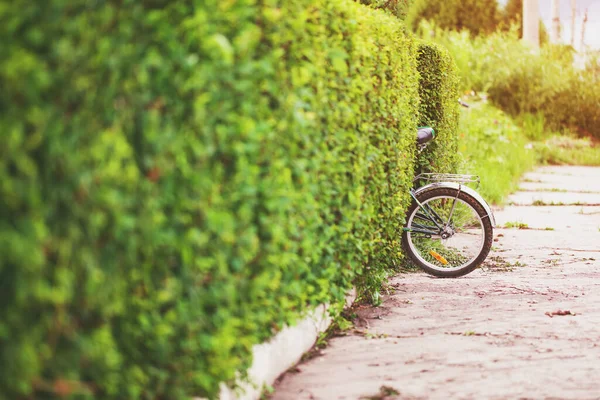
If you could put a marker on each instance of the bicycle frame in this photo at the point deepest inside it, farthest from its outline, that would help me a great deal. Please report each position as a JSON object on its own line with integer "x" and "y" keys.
{"x": 428, "y": 215}
{"x": 457, "y": 182}
{"x": 433, "y": 217}
{"x": 449, "y": 226}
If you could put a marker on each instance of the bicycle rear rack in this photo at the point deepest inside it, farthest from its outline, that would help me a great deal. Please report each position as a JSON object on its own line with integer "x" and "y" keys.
{"x": 459, "y": 178}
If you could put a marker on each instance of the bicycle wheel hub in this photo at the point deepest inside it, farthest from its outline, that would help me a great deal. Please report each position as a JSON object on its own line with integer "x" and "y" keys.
{"x": 447, "y": 233}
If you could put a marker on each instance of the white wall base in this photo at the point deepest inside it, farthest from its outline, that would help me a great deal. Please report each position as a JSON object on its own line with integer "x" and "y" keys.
{"x": 283, "y": 351}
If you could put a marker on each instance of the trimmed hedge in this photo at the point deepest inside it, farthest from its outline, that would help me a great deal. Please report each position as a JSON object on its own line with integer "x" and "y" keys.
{"x": 438, "y": 91}
{"x": 180, "y": 179}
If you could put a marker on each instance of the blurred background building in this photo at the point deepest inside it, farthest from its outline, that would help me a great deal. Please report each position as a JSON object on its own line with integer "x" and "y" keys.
{"x": 579, "y": 21}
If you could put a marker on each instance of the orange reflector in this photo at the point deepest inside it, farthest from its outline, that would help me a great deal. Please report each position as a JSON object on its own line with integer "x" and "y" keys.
{"x": 438, "y": 257}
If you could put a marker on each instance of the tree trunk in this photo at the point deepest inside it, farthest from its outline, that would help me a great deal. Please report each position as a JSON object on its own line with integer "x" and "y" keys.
{"x": 531, "y": 22}
{"x": 555, "y": 37}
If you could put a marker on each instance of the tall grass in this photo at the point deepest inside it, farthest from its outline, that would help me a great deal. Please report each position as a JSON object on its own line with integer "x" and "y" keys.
{"x": 495, "y": 148}
{"x": 482, "y": 61}
{"x": 500, "y": 149}
{"x": 521, "y": 80}
{"x": 558, "y": 147}
{"x": 568, "y": 150}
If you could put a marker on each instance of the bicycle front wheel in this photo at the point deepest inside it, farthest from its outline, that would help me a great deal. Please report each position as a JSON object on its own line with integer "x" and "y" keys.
{"x": 448, "y": 234}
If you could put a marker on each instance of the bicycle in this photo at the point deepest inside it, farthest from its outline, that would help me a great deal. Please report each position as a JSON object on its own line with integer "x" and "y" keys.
{"x": 449, "y": 226}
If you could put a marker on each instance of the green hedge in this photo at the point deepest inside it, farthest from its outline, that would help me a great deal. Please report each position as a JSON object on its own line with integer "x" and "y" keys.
{"x": 438, "y": 91}
{"x": 479, "y": 17}
{"x": 397, "y": 8}
{"x": 180, "y": 179}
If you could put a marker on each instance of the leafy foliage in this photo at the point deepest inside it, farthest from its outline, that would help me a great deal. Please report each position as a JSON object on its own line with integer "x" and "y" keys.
{"x": 569, "y": 150}
{"x": 519, "y": 80}
{"x": 548, "y": 84}
{"x": 495, "y": 148}
{"x": 481, "y": 60}
{"x": 398, "y": 8}
{"x": 180, "y": 179}
{"x": 438, "y": 91}
{"x": 558, "y": 147}
{"x": 479, "y": 17}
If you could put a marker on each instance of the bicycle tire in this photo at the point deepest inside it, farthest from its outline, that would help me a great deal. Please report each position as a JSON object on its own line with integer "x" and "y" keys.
{"x": 415, "y": 244}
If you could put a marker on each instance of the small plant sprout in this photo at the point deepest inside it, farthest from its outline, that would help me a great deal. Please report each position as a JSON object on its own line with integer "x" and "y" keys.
{"x": 516, "y": 224}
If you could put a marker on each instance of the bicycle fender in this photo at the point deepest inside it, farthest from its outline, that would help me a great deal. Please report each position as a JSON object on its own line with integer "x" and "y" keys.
{"x": 463, "y": 188}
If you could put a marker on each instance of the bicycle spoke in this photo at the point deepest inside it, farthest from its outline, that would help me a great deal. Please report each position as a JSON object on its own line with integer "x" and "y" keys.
{"x": 445, "y": 232}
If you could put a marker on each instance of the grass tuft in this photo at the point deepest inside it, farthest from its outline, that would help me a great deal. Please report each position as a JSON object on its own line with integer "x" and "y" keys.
{"x": 518, "y": 225}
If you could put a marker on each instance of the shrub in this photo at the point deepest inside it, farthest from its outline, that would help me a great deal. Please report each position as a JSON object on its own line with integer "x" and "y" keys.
{"x": 180, "y": 181}
{"x": 494, "y": 148}
{"x": 479, "y": 17}
{"x": 519, "y": 80}
{"x": 398, "y": 8}
{"x": 548, "y": 84}
{"x": 438, "y": 91}
{"x": 481, "y": 60}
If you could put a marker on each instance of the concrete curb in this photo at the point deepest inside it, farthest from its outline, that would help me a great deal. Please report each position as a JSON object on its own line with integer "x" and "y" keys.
{"x": 273, "y": 358}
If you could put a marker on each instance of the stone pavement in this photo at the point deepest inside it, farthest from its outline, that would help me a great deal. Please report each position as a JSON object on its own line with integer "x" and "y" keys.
{"x": 526, "y": 325}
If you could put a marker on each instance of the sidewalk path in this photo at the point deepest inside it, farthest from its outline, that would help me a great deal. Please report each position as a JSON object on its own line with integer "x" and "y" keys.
{"x": 497, "y": 333}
